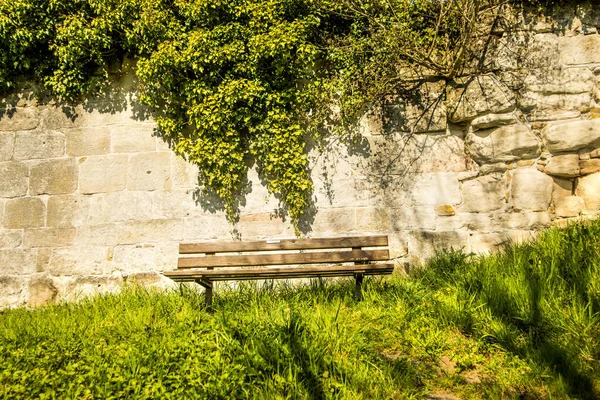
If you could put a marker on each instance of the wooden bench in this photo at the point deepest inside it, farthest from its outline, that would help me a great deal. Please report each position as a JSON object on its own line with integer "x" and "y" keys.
{"x": 295, "y": 258}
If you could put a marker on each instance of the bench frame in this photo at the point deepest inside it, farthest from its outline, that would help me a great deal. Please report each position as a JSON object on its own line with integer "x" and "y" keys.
{"x": 294, "y": 258}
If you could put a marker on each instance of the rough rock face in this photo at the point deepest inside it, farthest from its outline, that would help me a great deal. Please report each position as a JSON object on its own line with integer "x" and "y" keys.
{"x": 89, "y": 203}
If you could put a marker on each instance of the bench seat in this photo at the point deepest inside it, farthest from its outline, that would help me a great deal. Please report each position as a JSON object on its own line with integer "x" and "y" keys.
{"x": 356, "y": 256}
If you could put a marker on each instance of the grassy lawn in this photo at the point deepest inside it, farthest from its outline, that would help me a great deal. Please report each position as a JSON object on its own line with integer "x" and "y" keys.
{"x": 521, "y": 324}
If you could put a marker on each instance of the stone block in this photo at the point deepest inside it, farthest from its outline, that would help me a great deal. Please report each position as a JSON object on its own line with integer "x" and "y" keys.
{"x": 80, "y": 117}
{"x": 531, "y": 190}
{"x": 65, "y": 211}
{"x": 589, "y": 166}
{"x": 149, "y": 171}
{"x": 263, "y": 225}
{"x": 524, "y": 220}
{"x": 507, "y": 143}
{"x": 88, "y": 141}
{"x": 445, "y": 210}
{"x": 437, "y": 188}
{"x": 119, "y": 206}
{"x": 478, "y": 96}
{"x": 553, "y": 115}
{"x": 580, "y": 49}
{"x": 334, "y": 220}
{"x": 561, "y": 81}
{"x": 32, "y": 145}
{"x": 23, "y": 119}
{"x": 10, "y": 239}
{"x": 482, "y": 243}
{"x": 57, "y": 176}
{"x": 80, "y": 260}
{"x": 566, "y": 166}
{"x": 372, "y": 220}
{"x": 133, "y": 138}
{"x": 493, "y": 120}
{"x": 158, "y": 230}
{"x": 18, "y": 262}
{"x": 149, "y": 257}
{"x": 543, "y": 103}
{"x": 75, "y": 288}
{"x": 7, "y": 146}
{"x": 26, "y": 212}
{"x": 12, "y": 291}
{"x": 207, "y": 227}
{"x": 175, "y": 204}
{"x": 41, "y": 291}
{"x": 183, "y": 173}
{"x": 572, "y": 135}
{"x": 561, "y": 188}
{"x": 14, "y": 179}
{"x": 410, "y": 218}
{"x": 481, "y": 222}
{"x": 569, "y": 206}
{"x": 49, "y": 237}
{"x": 397, "y": 245}
{"x": 595, "y": 153}
{"x": 483, "y": 194}
{"x": 423, "y": 244}
{"x": 588, "y": 187}
{"x": 99, "y": 174}
{"x": 96, "y": 235}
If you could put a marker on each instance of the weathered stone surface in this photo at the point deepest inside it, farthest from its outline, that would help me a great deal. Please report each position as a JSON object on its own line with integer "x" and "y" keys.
{"x": 7, "y": 145}
{"x": 41, "y": 291}
{"x": 183, "y": 173}
{"x": 13, "y": 181}
{"x": 158, "y": 230}
{"x": 546, "y": 102}
{"x": 424, "y": 244}
{"x": 531, "y": 190}
{"x": 587, "y": 187}
{"x": 482, "y": 95}
{"x": 65, "y": 211}
{"x": 98, "y": 174}
{"x": 119, "y": 206}
{"x": 88, "y": 141}
{"x": 207, "y": 227}
{"x": 53, "y": 177}
{"x": 483, "y": 194}
{"x": 425, "y": 112}
{"x": 262, "y": 225}
{"x": 18, "y": 261}
{"x": 334, "y": 220}
{"x": 589, "y": 166}
{"x": 12, "y": 291}
{"x": 523, "y": 220}
{"x": 595, "y": 153}
{"x": 10, "y": 239}
{"x": 31, "y": 145}
{"x": 566, "y": 166}
{"x": 398, "y": 245}
{"x": 372, "y": 219}
{"x": 149, "y": 171}
{"x": 561, "y": 188}
{"x": 569, "y": 206}
{"x": 571, "y": 136}
{"x": 81, "y": 260}
{"x": 433, "y": 189}
{"x": 178, "y": 204}
{"x": 481, "y": 222}
{"x": 493, "y": 120}
{"x": 148, "y": 257}
{"x": 562, "y": 81}
{"x": 49, "y": 237}
{"x": 581, "y": 49}
{"x": 75, "y": 288}
{"x": 26, "y": 212}
{"x": 508, "y": 143}
{"x": 445, "y": 211}
{"x": 133, "y": 139}
{"x": 55, "y": 118}
{"x": 96, "y": 235}
{"x": 553, "y": 115}
{"x": 408, "y": 218}
{"x": 22, "y": 119}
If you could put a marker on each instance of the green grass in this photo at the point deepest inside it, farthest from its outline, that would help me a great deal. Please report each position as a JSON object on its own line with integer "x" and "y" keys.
{"x": 521, "y": 324}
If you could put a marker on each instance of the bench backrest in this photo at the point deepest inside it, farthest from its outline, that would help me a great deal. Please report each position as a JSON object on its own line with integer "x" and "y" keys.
{"x": 357, "y": 249}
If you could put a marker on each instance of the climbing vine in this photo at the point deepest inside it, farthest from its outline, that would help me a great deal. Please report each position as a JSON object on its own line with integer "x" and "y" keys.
{"x": 232, "y": 82}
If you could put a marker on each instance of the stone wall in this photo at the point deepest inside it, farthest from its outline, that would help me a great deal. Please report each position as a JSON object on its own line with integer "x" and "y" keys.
{"x": 92, "y": 200}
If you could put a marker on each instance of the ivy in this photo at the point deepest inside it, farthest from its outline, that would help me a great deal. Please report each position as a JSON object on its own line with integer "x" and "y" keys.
{"x": 231, "y": 81}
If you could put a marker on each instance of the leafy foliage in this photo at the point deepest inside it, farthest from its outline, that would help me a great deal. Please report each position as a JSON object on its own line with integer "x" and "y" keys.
{"x": 232, "y": 82}
{"x": 521, "y": 324}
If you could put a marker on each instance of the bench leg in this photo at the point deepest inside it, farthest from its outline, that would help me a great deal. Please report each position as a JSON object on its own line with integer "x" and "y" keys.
{"x": 208, "y": 293}
{"x": 358, "y": 289}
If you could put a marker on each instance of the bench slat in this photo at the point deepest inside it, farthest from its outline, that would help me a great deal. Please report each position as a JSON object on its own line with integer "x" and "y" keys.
{"x": 286, "y": 272}
{"x": 285, "y": 244}
{"x": 281, "y": 259}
